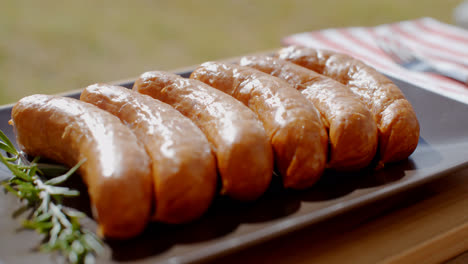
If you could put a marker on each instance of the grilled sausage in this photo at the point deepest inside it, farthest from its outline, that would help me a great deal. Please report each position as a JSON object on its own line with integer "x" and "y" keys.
{"x": 117, "y": 169}
{"x": 298, "y": 137}
{"x": 244, "y": 155}
{"x": 352, "y": 131}
{"x": 183, "y": 166}
{"x": 396, "y": 120}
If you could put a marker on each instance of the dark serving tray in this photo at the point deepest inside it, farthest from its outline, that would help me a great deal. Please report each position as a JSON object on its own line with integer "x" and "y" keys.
{"x": 229, "y": 226}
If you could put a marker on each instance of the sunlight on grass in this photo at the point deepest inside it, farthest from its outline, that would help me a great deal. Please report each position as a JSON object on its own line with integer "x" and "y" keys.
{"x": 52, "y": 46}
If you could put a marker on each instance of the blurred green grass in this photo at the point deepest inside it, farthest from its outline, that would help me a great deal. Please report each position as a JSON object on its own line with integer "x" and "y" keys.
{"x": 52, "y": 46}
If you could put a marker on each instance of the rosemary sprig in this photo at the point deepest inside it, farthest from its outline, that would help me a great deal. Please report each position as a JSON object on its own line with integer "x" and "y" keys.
{"x": 43, "y": 199}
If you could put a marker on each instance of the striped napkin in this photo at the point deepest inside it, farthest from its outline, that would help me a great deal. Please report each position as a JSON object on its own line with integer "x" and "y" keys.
{"x": 427, "y": 37}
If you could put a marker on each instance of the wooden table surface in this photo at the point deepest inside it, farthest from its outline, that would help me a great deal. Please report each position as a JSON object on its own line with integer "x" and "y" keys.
{"x": 426, "y": 225}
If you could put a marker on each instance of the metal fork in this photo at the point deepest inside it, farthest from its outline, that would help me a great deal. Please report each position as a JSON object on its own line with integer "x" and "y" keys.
{"x": 406, "y": 58}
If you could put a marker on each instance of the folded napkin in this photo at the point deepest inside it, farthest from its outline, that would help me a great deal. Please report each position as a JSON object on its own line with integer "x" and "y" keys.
{"x": 429, "y": 38}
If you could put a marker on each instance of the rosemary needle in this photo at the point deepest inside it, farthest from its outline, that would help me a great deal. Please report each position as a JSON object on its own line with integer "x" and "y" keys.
{"x": 60, "y": 225}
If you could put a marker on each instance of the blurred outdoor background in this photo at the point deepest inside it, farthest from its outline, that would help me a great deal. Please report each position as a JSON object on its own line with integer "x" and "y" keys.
{"x": 51, "y": 46}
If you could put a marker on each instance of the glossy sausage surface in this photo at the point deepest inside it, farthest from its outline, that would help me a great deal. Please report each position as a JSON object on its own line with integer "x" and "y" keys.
{"x": 117, "y": 169}
{"x": 243, "y": 152}
{"x": 298, "y": 137}
{"x": 396, "y": 120}
{"x": 183, "y": 166}
{"x": 351, "y": 128}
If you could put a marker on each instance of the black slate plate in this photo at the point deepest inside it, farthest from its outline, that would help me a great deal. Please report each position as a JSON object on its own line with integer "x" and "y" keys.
{"x": 230, "y": 226}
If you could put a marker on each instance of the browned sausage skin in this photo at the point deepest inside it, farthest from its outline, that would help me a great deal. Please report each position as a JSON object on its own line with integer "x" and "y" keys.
{"x": 292, "y": 123}
{"x": 396, "y": 120}
{"x": 183, "y": 166}
{"x": 352, "y": 129}
{"x": 243, "y": 152}
{"x": 117, "y": 169}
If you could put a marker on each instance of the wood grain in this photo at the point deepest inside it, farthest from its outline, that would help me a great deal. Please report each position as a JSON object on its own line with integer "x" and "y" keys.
{"x": 437, "y": 249}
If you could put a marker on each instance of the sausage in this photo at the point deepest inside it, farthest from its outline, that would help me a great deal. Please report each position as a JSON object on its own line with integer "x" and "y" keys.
{"x": 352, "y": 131}
{"x": 117, "y": 169}
{"x": 397, "y": 123}
{"x": 297, "y": 135}
{"x": 183, "y": 166}
{"x": 243, "y": 152}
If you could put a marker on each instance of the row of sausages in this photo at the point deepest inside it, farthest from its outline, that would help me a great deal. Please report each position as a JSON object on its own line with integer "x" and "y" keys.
{"x": 160, "y": 159}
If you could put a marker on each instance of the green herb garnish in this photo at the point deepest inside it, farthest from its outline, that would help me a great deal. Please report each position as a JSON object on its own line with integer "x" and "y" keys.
{"x": 43, "y": 199}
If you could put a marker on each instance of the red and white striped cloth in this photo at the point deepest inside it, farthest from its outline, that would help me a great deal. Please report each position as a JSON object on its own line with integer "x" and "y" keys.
{"x": 429, "y": 38}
